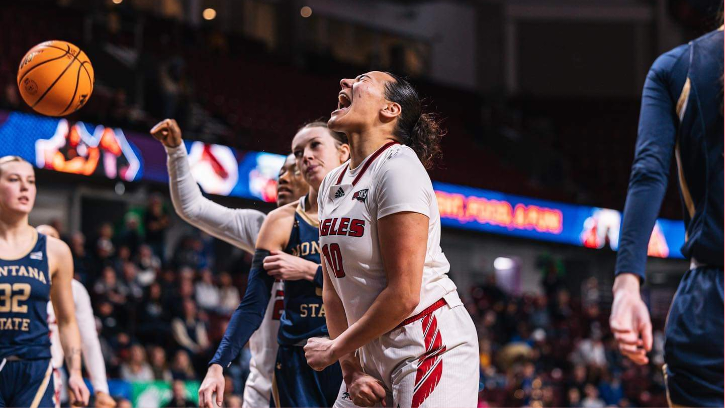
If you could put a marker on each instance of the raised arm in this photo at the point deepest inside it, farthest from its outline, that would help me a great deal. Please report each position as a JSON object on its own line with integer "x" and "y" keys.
{"x": 238, "y": 227}
{"x": 61, "y": 295}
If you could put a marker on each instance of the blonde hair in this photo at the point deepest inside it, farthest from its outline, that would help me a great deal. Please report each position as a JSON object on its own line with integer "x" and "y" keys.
{"x": 10, "y": 159}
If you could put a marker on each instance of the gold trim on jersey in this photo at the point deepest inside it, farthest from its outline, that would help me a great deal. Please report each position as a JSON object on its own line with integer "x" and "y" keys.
{"x": 26, "y": 253}
{"x": 682, "y": 101}
{"x": 43, "y": 386}
{"x": 684, "y": 188}
{"x": 301, "y": 211}
{"x": 275, "y": 390}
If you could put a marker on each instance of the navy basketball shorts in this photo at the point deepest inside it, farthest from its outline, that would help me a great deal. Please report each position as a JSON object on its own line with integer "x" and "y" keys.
{"x": 694, "y": 340}
{"x": 26, "y": 383}
{"x": 296, "y": 384}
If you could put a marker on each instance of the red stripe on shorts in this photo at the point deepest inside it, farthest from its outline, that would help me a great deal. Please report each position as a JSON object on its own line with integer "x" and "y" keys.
{"x": 428, "y": 310}
{"x": 430, "y": 368}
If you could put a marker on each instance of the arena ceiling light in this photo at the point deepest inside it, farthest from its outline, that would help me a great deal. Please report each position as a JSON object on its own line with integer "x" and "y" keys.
{"x": 306, "y": 11}
{"x": 209, "y": 14}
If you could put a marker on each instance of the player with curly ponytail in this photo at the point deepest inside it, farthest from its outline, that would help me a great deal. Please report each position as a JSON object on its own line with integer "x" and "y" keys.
{"x": 396, "y": 322}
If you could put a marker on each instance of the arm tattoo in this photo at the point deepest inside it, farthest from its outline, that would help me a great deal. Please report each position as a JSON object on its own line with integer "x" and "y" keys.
{"x": 73, "y": 358}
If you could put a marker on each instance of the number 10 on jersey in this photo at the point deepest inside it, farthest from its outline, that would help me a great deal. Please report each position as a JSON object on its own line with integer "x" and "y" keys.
{"x": 334, "y": 259}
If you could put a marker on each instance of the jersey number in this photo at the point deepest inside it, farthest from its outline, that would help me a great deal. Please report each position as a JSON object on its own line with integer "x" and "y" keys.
{"x": 10, "y": 303}
{"x": 334, "y": 259}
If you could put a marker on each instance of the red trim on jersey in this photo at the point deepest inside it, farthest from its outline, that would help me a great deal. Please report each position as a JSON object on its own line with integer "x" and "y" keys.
{"x": 342, "y": 174}
{"x": 428, "y": 310}
{"x": 367, "y": 163}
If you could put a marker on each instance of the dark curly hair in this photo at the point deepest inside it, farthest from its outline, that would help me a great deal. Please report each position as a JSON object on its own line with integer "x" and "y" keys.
{"x": 420, "y": 131}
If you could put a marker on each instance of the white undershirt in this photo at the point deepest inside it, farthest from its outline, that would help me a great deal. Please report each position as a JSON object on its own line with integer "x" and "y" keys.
{"x": 238, "y": 227}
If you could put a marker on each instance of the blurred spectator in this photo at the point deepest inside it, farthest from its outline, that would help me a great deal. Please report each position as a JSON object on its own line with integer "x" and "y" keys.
{"x": 108, "y": 287}
{"x": 175, "y": 90}
{"x": 592, "y": 399}
{"x": 137, "y": 368}
{"x": 159, "y": 366}
{"x": 110, "y": 323}
{"x": 153, "y": 316}
{"x": 82, "y": 262}
{"x": 190, "y": 332}
{"x": 123, "y": 255}
{"x": 229, "y": 297}
{"x": 207, "y": 293}
{"x": 579, "y": 378}
{"x": 130, "y": 234}
{"x": 182, "y": 369}
{"x": 590, "y": 351}
{"x": 148, "y": 264}
{"x": 573, "y": 397}
{"x": 130, "y": 282}
{"x": 156, "y": 220}
{"x": 179, "y": 396}
{"x": 188, "y": 253}
{"x": 104, "y": 252}
{"x": 610, "y": 389}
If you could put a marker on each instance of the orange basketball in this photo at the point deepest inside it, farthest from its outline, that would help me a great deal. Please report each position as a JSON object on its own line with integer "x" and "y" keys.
{"x": 55, "y": 78}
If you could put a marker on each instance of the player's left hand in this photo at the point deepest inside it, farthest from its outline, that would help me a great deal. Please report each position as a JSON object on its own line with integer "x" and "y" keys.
{"x": 79, "y": 393}
{"x": 104, "y": 400}
{"x": 319, "y": 352}
{"x": 281, "y": 265}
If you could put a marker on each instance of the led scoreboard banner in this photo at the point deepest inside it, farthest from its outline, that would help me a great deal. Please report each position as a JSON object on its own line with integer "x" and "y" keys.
{"x": 96, "y": 150}
{"x": 81, "y": 148}
{"x": 506, "y": 214}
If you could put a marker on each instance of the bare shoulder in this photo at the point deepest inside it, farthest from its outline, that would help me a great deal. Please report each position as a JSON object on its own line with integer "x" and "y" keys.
{"x": 276, "y": 228}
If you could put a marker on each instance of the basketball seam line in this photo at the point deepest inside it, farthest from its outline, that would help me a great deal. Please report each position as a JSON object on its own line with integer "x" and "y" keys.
{"x": 75, "y": 91}
{"x": 53, "y": 84}
{"x": 44, "y": 62}
{"x": 75, "y": 58}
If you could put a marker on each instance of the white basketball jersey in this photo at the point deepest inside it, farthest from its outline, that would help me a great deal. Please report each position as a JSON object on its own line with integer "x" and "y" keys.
{"x": 389, "y": 181}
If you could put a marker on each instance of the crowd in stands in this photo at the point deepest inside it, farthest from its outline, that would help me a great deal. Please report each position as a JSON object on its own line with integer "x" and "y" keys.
{"x": 161, "y": 315}
{"x": 555, "y": 349}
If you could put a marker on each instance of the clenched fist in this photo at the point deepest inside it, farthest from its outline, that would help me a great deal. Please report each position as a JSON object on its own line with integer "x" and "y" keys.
{"x": 167, "y": 132}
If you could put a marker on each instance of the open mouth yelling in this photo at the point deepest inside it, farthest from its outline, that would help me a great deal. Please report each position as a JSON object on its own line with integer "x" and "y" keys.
{"x": 343, "y": 102}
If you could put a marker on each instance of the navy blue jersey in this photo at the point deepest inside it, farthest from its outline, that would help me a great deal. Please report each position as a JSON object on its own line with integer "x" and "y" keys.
{"x": 681, "y": 113}
{"x": 24, "y": 296}
{"x": 304, "y": 314}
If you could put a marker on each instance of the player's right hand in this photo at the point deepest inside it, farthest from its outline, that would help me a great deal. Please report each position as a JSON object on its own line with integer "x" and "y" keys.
{"x": 167, "y": 132}
{"x": 630, "y": 320}
{"x": 366, "y": 391}
{"x": 79, "y": 393}
{"x": 213, "y": 384}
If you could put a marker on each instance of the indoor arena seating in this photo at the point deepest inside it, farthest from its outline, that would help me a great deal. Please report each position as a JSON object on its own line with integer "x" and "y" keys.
{"x": 597, "y": 139}
{"x": 265, "y": 100}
